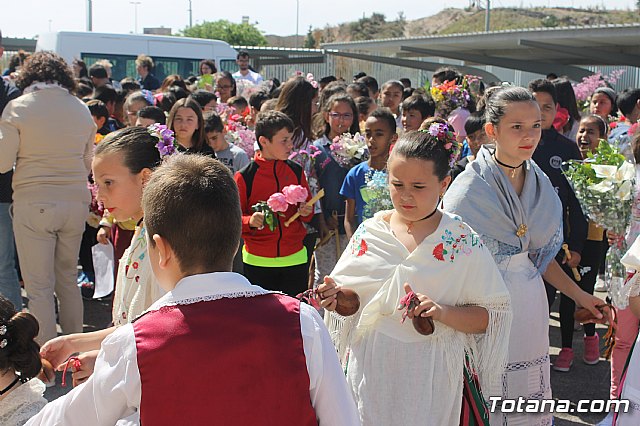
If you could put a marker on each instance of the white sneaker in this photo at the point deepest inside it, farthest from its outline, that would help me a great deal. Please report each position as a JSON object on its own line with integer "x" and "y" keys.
{"x": 600, "y": 286}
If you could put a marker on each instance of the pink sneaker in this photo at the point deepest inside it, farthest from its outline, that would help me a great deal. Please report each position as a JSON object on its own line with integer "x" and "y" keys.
{"x": 591, "y": 349}
{"x": 564, "y": 361}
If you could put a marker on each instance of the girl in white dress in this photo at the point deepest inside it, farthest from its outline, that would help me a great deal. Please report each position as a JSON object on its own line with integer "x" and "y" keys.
{"x": 397, "y": 375}
{"x": 20, "y": 392}
{"x": 509, "y": 201}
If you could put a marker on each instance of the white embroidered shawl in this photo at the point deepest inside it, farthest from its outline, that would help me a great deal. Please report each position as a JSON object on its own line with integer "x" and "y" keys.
{"x": 451, "y": 266}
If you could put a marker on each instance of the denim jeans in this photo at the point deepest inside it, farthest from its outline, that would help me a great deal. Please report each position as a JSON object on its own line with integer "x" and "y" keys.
{"x": 9, "y": 285}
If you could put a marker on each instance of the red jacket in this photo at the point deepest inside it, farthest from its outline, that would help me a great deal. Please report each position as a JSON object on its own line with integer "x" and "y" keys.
{"x": 270, "y": 177}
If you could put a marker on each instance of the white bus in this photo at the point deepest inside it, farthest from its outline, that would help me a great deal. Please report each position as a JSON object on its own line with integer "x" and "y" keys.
{"x": 171, "y": 55}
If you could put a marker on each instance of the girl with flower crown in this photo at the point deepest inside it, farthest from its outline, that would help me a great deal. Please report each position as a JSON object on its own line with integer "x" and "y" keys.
{"x": 438, "y": 270}
{"x": 121, "y": 166}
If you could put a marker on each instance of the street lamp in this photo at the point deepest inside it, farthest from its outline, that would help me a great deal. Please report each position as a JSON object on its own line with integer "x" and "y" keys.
{"x": 135, "y": 15}
{"x": 297, "y": 20}
{"x": 89, "y": 16}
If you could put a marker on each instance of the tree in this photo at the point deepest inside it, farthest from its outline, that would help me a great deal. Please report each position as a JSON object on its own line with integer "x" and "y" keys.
{"x": 310, "y": 41}
{"x": 236, "y": 34}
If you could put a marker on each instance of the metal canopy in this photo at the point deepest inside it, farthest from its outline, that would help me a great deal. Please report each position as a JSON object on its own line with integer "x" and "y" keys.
{"x": 574, "y": 73}
{"x": 609, "y": 55}
{"x": 409, "y": 63}
{"x": 527, "y": 49}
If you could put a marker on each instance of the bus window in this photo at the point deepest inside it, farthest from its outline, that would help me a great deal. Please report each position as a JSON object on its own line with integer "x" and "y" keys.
{"x": 228, "y": 65}
{"x": 125, "y": 65}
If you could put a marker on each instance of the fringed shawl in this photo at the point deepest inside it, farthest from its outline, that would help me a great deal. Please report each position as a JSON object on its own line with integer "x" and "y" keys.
{"x": 508, "y": 224}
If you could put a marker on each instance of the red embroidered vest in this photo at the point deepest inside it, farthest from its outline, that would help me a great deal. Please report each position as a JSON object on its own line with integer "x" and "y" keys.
{"x": 224, "y": 362}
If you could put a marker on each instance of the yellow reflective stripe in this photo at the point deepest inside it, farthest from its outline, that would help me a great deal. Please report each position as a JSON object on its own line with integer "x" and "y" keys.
{"x": 275, "y": 262}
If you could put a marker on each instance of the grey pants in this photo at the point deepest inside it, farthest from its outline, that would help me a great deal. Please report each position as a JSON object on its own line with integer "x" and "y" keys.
{"x": 48, "y": 236}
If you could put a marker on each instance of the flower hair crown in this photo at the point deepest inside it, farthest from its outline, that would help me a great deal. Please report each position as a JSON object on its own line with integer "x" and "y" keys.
{"x": 3, "y": 332}
{"x": 166, "y": 142}
{"x": 443, "y": 134}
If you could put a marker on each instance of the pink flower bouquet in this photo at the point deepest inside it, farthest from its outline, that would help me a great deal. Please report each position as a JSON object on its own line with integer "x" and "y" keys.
{"x": 279, "y": 202}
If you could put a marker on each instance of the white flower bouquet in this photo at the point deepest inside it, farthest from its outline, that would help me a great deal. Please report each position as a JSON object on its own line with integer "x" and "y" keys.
{"x": 349, "y": 150}
{"x": 604, "y": 185}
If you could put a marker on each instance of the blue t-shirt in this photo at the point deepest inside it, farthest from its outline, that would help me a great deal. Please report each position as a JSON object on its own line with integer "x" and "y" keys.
{"x": 369, "y": 188}
{"x": 356, "y": 179}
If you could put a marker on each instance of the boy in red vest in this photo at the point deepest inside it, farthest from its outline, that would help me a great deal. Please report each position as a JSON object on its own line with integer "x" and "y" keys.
{"x": 215, "y": 350}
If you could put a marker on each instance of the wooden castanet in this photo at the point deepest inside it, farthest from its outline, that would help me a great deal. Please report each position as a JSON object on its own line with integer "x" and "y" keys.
{"x": 348, "y": 302}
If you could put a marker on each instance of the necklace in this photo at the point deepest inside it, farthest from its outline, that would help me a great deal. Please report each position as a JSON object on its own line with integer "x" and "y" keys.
{"x": 8, "y": 388}
{"x": 513, "y": 169}
{"x": 410, "y": 224}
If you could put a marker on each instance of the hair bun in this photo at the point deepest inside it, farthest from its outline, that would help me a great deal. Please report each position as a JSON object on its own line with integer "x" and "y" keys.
{"x": 23, "y": 351}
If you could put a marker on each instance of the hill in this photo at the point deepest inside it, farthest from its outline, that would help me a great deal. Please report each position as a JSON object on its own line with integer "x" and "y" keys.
{"x": 453, "y": 21}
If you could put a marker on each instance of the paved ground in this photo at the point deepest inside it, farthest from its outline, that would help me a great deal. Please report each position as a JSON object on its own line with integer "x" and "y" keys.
{"x": 582, "y": 382}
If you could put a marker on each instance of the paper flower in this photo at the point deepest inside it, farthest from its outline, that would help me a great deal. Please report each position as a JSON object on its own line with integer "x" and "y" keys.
{"x": 294, "y": 194}
{"x": 166, "y": 142}
{"x": 277, "y": 202}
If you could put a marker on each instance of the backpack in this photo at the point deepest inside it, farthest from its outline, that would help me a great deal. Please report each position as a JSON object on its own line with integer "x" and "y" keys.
{"x": 249, "y": 172}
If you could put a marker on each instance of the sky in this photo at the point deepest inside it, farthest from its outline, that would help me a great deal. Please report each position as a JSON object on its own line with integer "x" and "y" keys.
{"x": 28, "y": 18}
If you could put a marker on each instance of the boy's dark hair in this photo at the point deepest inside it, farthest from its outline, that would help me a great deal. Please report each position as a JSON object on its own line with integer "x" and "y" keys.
{"x": 363, "y": 103}
{"x": 384, "y": 114}
{"x": 98, "y": 109}
{"x": 153, "y": 113}
{"x": 239, "y": 103}
{"x": 359, "y": 75}
{"x": 425, "y": 106}
{"x": 475, "y": 122}
{"x": 213, "y": 123}
{"x": 395, "y": 83}
{"x": 328, "y": 79}
{"x": 360, "y": 89}
{"x": 406, "y": 82}
{"x": 129, "y": 85}
{"x": 243, "y": 54}
{"x": 84, "y": 91}
{"x": 98, "y": 71}
{"x": 269, "y": 123}
{"x": 202, "y": 97}
{"x": 137, "y": 146}
{"x": 105, "y": 93}
{"x": 542, "y": 85}
{"x": 203, "y": 190}
{"x": 257, "y": 99}
{"x": 21, "y": 352}
{"x": 447, "y": 74}
{"x": 627, "y": 100}
{"x": 370, "y": 82}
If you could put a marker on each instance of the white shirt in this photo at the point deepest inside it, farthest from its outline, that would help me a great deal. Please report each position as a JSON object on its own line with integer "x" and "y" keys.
{"x": 114, "y": 390}
{"x": 252, "y": 76}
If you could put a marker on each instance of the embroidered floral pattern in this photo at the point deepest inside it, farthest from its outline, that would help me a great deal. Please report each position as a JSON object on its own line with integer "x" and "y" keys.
{"x": 451, "y": 246}
{"x": 358, "y": 244}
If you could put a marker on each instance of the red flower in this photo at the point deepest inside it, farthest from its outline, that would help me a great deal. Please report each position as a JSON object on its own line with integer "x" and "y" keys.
{"x": 135, "y": 265}
{"x": 363, "y": 248}
{"x": 438, "y": 252}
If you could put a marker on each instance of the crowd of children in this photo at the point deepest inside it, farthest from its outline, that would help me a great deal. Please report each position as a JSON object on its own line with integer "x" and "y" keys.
{"x": 322, "y": 191}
